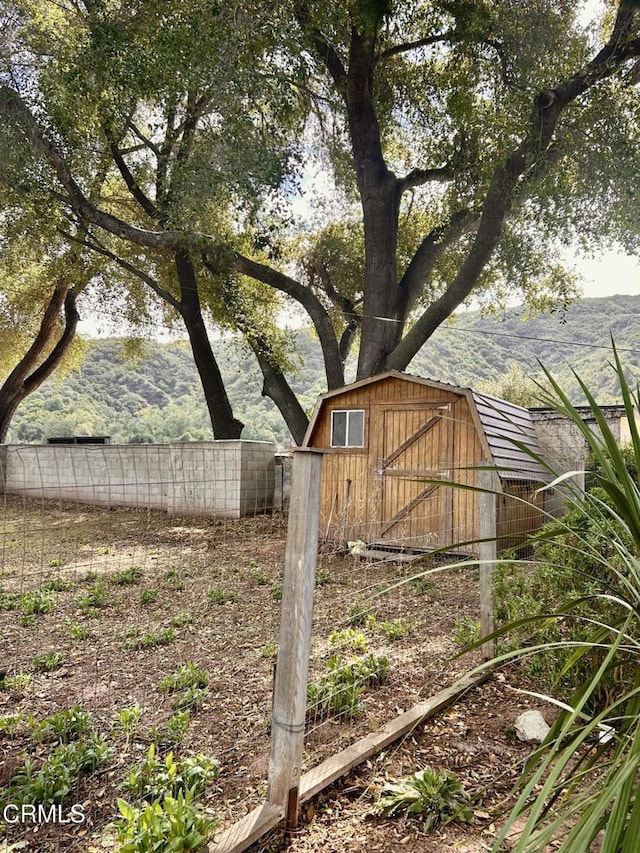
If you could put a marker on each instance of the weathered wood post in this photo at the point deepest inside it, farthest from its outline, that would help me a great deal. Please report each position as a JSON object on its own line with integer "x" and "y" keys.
{"x": 487, "y": 552}
{"x": 294, "y": 647}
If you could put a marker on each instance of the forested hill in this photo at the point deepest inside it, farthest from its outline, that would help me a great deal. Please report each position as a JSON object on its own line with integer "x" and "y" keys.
{"x": 157, "y": 397}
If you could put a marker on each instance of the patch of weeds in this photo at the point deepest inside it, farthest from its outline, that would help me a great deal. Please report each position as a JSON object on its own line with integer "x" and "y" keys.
{"x": 16, "y": 684}
{"x": 148, "y": 596}
{"x": 276, "y": 591}
{"x": 11, "y": 725}
{"x": 150, "y": 640}
{"x": 218, "y": 597}
{"x": 38, "y": 601}
{"x": 187, "y": 675}
{"x": 168, "y": 824}
{"x": 423, "y": 584}
{"x": 173, "y": 731}
{"x": 103, "y": 552}
{"x": 127, "y": 577}
{"x": 28, "y": 621}
{"x": 358, "y": 613}
{"x": 56, "y": 777}
{"x": 180, "y": 620}
{"x": 340, "y": 689}
{"x": 322, "y": 578}
{"x": 174, "y": 578}
{"x": 269, "y": 650}
{"x": 154, "y": 777}
{"x": 8, "y": 600}
{"x": 126, "y": 721}
{"x": 91, "y": 576}
{"x": 58, "y": 585}
{"x": 392, "y": 629}
{"x": 95, "y": 597}
{"x": 432, "y": 796}
{"x": 78, "y": 631}
{"x": 48, "y": 661}
{"x": 349, "y": 639}
{"x": 466, "y": 631}
{"x": 67, "y": 725}
{"x": 55, "y": 562}
{"x": 260, "y": 577}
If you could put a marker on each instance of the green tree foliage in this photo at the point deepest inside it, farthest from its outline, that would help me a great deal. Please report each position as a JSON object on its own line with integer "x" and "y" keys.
{"x": 459, "y": 139}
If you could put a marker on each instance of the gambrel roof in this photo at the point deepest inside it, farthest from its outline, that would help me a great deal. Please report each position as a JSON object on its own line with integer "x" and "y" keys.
{"x": 506, "y": 430}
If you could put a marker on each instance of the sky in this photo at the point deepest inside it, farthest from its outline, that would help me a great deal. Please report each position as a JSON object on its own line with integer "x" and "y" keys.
{"x": 609, "y": 274}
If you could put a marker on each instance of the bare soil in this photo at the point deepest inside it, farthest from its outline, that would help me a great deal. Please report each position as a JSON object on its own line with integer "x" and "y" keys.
{"x": 216, "y": 585}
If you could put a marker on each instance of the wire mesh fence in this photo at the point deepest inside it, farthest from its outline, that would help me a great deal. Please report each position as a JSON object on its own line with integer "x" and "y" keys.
{"x": 140, "y": 640}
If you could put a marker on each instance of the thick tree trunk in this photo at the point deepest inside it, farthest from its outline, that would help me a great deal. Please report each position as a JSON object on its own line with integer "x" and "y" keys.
{"x": 224, "y": 424}
{"x": 278, "y": 389}
{"x": 31, "y": 371}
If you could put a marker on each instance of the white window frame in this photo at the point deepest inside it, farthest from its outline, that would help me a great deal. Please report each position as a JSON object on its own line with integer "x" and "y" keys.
{"x": 348, "y": 413}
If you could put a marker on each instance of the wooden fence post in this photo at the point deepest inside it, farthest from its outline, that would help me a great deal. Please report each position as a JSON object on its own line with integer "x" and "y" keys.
{"x": 294, "y": 647}
{"x": 487, "y": 553}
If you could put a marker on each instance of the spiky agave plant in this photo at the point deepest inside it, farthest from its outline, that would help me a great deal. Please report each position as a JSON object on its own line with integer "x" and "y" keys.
{"x": 584, "y": 780}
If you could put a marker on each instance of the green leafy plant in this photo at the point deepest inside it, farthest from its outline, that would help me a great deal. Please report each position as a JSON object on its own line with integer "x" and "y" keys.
{"x": 148, "y": 596}
{"x": 218, "y": 597}
{"x": 55, "y": 562}
{"x": 126, "y": 721}
{"x": 67, "y": 725}
{"x": 340, "y": 689}
{"x": 38, "y": 601}
{"x": 48, "y": 661}
{"x": 8, "y": 600}
{"x": 348, "y": 639}
{"x": 394, "y": 629}
{"x": 155, "y": 778}
{"x": 276, "y": 591}
{"x": 269, "y": 650}
{"x": 17, "y": 683}
{"x": 127, "y": 577}
{"x": 466, "y": 631}
{"x": 58, "y": 585}
{"x": 579, "y": 785}
{"x": 11, "y": 725}
{"x": 358, "y": 613}
{"x": 187, "y": 675}
{"x": 180, "y": 620}
{"x": 173, "y": 731}
{"x": 78, "y": 631}
{"x": 260, "y": 577}
{"x": 174, "y": 578}
{"x": 322, "y": 577}
{"x": 95, "y": 597}
{"x": 423, "y": 583}
{"x": 433, "y": 796}
{"x": 171, "y": 824}
{"x": 191, "y": 699}
{"x": 151, "y": 639}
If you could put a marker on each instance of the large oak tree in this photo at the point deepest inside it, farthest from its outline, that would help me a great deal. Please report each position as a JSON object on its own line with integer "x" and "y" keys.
{"x": 464, "y": 140}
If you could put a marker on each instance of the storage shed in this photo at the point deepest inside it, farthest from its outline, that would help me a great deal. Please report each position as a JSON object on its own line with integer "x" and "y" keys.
{"x": 390, "y": 437}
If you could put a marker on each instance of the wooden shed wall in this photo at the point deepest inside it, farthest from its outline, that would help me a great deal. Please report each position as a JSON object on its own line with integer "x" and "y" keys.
{"x": 358, "y": 501}
{"x": 521, "y": 511}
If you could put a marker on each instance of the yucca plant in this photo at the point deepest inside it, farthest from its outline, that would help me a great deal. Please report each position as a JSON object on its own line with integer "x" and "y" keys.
{"x": 583, "y": 782}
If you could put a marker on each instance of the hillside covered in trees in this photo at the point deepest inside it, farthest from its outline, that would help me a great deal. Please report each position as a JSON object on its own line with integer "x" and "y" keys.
{"x": 155, "y": 395}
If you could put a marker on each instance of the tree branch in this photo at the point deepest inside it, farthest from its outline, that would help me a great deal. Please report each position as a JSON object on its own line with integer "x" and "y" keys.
{"x": 419, "y": 177}
{"x": 427, "y": 41}
{"x": 132, "y": 185}
{"x": 325, "y": 52}
{"x": 50, "y": 363}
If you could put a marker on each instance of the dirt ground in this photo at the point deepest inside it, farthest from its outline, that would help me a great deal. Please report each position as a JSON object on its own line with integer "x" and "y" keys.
{"x": 213, "y": 588}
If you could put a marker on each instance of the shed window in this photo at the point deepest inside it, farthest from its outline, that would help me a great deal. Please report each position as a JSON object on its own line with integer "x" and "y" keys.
{"x": 347, "y": 428}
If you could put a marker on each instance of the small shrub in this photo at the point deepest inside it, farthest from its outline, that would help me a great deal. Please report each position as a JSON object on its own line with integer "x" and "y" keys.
{"x": 28, "y": 621}
{"x": 48, "y": 661}
{"x": 78, "y": 631}
{"x": 38, "y": 601}
{"x": 269, "y": 650}
{"x": 127, "y": 577}
{"x": 11, "y": 725}
{"x": 155, "y": 778}
{"x": 218, "y": 597}
{"x": 187, "y": 675}
{"x": 261, "y": 578}
{"x": 148, "y": 596}
{"x": 433, "y": 796}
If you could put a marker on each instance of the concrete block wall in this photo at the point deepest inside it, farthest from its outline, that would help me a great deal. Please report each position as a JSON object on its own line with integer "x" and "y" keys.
{"x": 225, "y": 478}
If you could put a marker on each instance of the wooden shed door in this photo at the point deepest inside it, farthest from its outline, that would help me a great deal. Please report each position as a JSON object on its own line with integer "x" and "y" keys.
{"x": 417, "y": 446}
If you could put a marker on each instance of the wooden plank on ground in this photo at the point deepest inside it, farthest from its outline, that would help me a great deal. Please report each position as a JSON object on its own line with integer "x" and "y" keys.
{"x": 257, "y": 823}
{"x": 250, "y": 828}
{"x": 338, "y": 765}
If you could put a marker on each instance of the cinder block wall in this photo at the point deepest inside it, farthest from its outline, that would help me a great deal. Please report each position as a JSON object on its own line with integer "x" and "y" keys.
{"x": 227, "y": 478}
